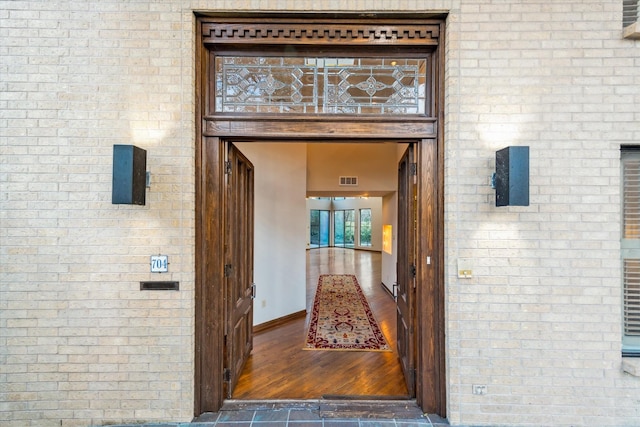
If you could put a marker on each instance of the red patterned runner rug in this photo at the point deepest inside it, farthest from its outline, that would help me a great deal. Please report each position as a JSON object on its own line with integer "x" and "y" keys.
{"x": 341, "y": 318}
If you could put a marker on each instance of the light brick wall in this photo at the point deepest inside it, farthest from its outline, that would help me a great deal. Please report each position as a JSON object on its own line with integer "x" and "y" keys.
{"x": 539, "y": 323}
{"x": 80, "y": 343}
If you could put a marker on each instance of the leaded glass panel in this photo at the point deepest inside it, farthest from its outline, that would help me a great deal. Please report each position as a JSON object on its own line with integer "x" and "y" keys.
{"x": 320, "y": 85}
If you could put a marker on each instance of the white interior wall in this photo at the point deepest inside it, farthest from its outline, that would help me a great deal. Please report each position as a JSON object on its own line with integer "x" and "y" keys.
{"x": 390, "y": 217}
{"x": 369, "y": 162}
{"x": 281, "y": 221}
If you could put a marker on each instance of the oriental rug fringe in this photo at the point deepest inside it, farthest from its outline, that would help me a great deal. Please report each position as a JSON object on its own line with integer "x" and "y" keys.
{"x": 341, "y": 318}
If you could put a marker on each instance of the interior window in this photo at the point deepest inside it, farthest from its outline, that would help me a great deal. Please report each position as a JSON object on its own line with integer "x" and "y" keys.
{"x": 344, "y": 226}
{"x": 319, "y": 228}
{"x": 365, "y": 227}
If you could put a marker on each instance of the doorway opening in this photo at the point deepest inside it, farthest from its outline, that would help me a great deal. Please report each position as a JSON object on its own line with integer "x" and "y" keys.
{"x": 234, "y": 45}
{"x": 279, "y": 367}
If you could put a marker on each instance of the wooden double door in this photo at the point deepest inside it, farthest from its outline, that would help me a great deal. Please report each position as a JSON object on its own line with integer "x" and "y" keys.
{"x": 237, "y": 285}
{"x": 240, "y": 290}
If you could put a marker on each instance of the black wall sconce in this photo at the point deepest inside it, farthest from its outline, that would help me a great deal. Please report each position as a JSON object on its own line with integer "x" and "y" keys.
{"x": 129, "y": 175}
{"x": 511, "y": 179}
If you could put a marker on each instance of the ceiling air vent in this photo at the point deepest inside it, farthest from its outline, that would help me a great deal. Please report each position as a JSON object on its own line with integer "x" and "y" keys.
{"x": 348, "y": 181}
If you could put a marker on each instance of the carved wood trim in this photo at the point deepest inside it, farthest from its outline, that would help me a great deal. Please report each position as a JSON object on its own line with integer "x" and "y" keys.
{"x": 341, "y": 34}
{"x": 320, "y": 129}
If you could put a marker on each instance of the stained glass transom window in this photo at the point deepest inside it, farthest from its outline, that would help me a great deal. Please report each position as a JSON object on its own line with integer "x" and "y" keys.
{"x": 320, "y": 85}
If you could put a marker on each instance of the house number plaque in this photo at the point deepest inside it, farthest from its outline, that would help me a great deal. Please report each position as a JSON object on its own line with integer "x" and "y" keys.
{"x": 159, "y": 263}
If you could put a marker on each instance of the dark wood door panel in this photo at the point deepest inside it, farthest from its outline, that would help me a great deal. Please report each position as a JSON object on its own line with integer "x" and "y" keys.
{"x": 406, "y": 266}
{"x": 238, "y": 243}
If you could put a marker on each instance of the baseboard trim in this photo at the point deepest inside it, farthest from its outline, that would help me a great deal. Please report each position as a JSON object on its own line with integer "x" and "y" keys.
{"x": 278, "y": 322}
{"x": 387, "y": 290}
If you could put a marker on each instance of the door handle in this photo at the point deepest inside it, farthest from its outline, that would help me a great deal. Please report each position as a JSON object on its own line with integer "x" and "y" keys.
{"x": 253, "y": 291}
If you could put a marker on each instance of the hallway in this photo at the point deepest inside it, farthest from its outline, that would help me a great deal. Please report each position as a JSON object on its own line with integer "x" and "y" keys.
{"x": 280, "y": 369}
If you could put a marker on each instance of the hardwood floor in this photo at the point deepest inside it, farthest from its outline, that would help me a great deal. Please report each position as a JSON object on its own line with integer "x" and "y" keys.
{"x": 278, "y": 368}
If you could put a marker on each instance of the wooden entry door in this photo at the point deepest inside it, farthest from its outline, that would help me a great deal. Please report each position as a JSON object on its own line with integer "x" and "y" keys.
{"x": 347, "y": 35}
{"x": 238, "y": 267}
{"x": 406, "y": 266}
